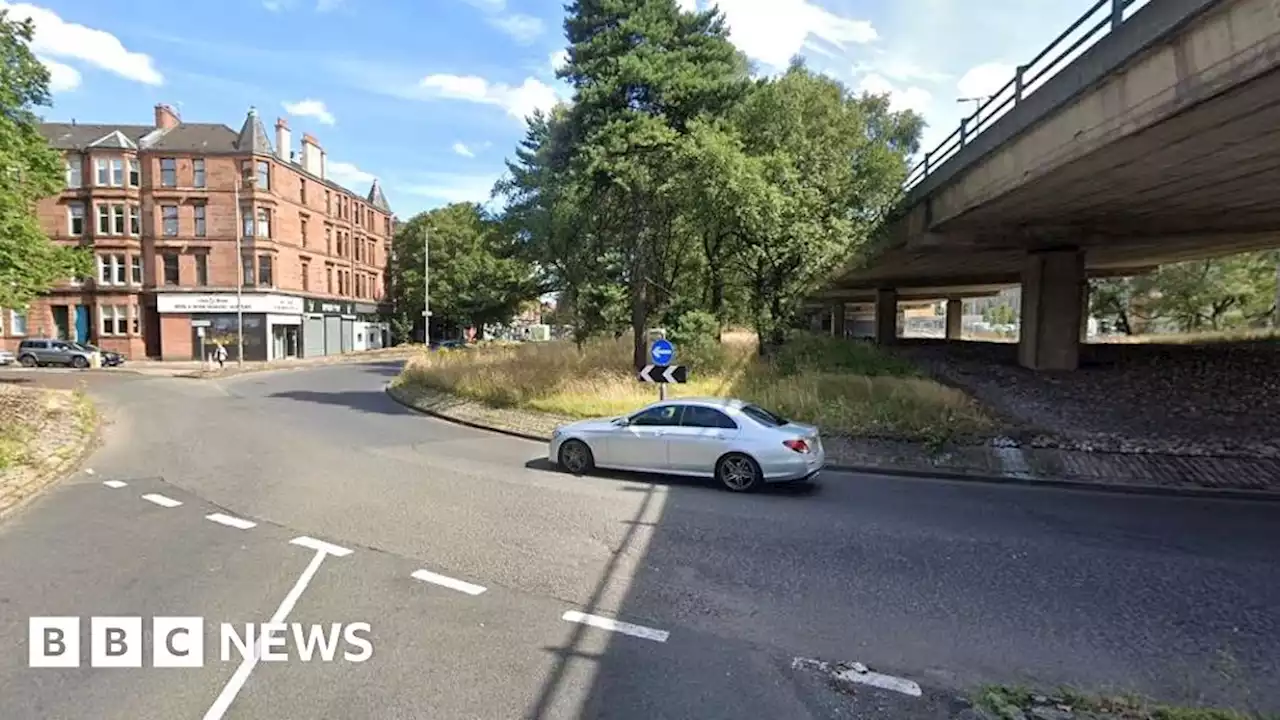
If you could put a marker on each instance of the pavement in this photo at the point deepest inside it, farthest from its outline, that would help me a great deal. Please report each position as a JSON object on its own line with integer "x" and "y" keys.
{"x": 494, "y": 587}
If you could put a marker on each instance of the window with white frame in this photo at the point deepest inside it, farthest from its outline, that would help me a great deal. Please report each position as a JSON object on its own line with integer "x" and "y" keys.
{"x": 117, "y": 172}
{"x": 111, "y": 267}
{"x": 134, "y": 320}
{"x": 264, "y": 223}
{"x": 101, "y": 172}
{"x": 168, "y": 172}
{"x": 197, "y": 172}
{"x": 75, "y": 170}
{"x": 17, "y": 323}
{"x": 75, "y": 219}
{"x": 135, "y": 173}
{"x": 112, "y": 319}
{"x": 117, "y": 219}
{"x": 135, "y": 269}
{"x": 104, "y": 219}
{"x": 198, "y": 210}
{"x": 264, "y": 175}
{"x": 135, "y": 220}
{"x": 246, "y": 216}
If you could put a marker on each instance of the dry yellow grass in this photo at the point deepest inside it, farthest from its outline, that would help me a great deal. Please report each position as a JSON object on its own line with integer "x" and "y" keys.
{"x": 840, "y": 386}
{"x": 1220, "y": 336}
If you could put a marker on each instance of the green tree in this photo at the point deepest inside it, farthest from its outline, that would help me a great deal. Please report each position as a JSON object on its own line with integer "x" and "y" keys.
{"x": 1000, "y": 315}
{"x": 476, "y": 278}
{"x": 832, "y": 167}
{"x": 1217, "y": 294}
{"x": 642, "y": 71}
{"x": 30, "y": 263}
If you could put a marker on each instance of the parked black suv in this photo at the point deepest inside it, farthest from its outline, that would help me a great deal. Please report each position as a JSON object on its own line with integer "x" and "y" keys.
{"x": 109, "y": 359}
{"x": 43, "y": 351}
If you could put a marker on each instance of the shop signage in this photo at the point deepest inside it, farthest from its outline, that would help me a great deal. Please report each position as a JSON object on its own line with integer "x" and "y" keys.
{"x": 366, "y": 308}
{"x": 330, "y": 307}
{"x": 226, "y": 302}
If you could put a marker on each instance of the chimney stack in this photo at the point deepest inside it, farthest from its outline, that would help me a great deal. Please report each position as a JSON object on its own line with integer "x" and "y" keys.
{"x": 312, "y": 155}
{"x": 166, "y": 118}
{"x": 284, "y": 141}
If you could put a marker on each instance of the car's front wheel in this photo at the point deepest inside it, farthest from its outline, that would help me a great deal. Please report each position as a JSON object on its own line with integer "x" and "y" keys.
{"x": 576, "y": 457}
{"x": 739, "y": 473}
{"x": 79, "y": 362}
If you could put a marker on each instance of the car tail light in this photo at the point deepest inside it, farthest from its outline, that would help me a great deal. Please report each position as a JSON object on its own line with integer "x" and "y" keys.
{"x": 799, "y": 446}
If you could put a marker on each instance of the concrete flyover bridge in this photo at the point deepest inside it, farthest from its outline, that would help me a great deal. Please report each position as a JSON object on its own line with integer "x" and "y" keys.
{"x": 1145, "y": 134}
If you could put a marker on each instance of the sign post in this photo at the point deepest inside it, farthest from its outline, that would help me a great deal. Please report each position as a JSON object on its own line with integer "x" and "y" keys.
{"x": 662, "y": 352}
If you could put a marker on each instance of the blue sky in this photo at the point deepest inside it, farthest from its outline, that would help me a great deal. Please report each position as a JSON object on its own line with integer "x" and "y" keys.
{"x": 429, "y": 95}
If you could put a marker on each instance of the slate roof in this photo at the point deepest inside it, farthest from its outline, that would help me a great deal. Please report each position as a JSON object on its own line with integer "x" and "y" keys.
{"x": 206, "y": 138}
{"x": 253, "y": 136}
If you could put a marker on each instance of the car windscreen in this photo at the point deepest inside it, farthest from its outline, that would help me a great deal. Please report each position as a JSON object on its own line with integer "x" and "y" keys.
{"x": 762, "y": 416}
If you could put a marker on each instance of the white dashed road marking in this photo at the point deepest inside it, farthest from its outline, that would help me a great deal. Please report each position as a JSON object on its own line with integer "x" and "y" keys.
{"x": 320, "y": 546}
{"x": 229, "y": 521}
{"x": 612, "y": 625}
{"x": 161, "y": 500}
{"x": 115, "y": 484}
{"x": 446, "y": 581}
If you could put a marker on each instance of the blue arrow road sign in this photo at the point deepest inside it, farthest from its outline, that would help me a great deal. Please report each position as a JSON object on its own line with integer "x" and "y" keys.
{"x": 662, "y": 352}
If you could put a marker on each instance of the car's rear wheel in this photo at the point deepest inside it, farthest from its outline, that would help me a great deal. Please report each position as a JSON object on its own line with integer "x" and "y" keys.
{"x": 576, "y": 457}
{"x": 739, "y": 473}
{"x": 79, "y": 362}
{"x": 27, "y": 361}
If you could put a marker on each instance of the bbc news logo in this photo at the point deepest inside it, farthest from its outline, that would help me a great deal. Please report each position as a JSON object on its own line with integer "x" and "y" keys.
{"x": 179, "y": 642}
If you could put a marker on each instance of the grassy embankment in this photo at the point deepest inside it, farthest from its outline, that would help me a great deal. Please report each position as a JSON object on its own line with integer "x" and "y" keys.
{"x": 842, "y": 387}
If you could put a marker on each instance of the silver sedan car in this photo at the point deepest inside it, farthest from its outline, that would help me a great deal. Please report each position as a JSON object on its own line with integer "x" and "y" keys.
{"x": 741, "y": 445}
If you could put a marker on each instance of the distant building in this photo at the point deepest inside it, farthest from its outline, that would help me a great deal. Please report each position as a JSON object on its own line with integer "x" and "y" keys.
{"x": 158, "y": 206}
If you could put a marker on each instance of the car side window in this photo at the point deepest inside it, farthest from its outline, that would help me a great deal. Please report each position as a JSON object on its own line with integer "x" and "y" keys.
{"x": 657, "y": 416}
{"x": 705, "y": 417}
{"x": 60, "y": 346}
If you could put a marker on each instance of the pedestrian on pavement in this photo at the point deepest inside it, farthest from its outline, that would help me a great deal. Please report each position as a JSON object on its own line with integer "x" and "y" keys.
{"x": 220, "y": 354}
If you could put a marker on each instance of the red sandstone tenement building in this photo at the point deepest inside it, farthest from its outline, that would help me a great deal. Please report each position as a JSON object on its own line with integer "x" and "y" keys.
{"x": 157, "y": 205}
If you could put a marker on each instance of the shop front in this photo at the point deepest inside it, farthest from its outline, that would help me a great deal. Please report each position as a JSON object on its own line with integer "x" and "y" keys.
{"x": 372, "y": 329}
{"x": 328, "y": 327}
{"x": 193, "y": 324}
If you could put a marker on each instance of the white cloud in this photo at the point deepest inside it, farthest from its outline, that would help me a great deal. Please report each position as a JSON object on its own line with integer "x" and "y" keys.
{"x": 559, "y": 59}
{"x": 523, "y": 29}
{"x": 312, "y": 109}
{"x": 520, "y": 102}
{"x": 911, "y": 98}
{"x": 463, "y": 150}
{"x": 451, "y": 188}
{"x": 57, "y": 38}
{"x": 775, "y": 31}
{"x": 348, "y": 174}
{"x": 62, "y": 78}
{"x": 984, "y": 80}
{"x": 689, "y": 5}
{"x": 900, "y": 70}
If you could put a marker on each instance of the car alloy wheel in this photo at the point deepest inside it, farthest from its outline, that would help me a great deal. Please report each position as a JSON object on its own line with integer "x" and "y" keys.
{"x": 27, "y": 361}
{"x": 576, "y": 457}
{"x": 739, "y": 473}
{"x": 79, "y": 363}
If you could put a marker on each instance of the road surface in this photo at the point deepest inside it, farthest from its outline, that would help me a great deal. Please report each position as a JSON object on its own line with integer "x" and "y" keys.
{"x": 466, "y": 555}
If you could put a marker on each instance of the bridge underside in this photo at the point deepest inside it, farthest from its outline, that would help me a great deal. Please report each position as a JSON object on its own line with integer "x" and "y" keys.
{"x": 1198, "y": 185}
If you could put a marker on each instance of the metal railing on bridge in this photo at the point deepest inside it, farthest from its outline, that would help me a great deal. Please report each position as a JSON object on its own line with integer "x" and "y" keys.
{"x": 1100, "y": 20}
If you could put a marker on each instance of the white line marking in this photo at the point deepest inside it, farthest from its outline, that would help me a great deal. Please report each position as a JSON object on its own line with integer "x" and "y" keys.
{"x": 446, "y": 581}
{"x": 321, "y": 546}
{"x": 229, "y": 521}
{"x": 879, "y": 680}
{"x": 161, "y": 500}
{"x": 241, "y": 675}
{"x": 115, "y": 484}
{"x": 612, "y": 625}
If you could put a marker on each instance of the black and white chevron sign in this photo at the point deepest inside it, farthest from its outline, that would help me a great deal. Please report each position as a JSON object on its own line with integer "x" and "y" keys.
{"x": 664, "y": 374}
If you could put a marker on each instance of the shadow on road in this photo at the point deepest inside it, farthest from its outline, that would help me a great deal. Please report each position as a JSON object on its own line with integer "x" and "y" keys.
{"x": 370, "y": 401}
{"x": 681, "y": 481}
{"x": 386, "y": 368}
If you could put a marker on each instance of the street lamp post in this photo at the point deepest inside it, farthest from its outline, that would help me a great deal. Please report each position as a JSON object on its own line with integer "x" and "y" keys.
{"x": 426, "y": 287}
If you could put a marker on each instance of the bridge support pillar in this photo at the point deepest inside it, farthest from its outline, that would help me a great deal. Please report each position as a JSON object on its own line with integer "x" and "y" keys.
{"x": 1052, "y": 293}
{"x": 886, "y": 316}
{"x": 955, "y": 317}
{"x": 837, "y": 320}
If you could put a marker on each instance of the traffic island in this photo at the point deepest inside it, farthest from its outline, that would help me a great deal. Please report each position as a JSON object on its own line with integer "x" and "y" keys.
{"x": 1006, "y": 703}
{"x": 890, "y": 427}
{"x": 44, "y": 434}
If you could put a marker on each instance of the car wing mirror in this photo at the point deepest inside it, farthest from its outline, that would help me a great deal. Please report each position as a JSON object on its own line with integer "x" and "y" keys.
{"x": 622, "y": 421}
